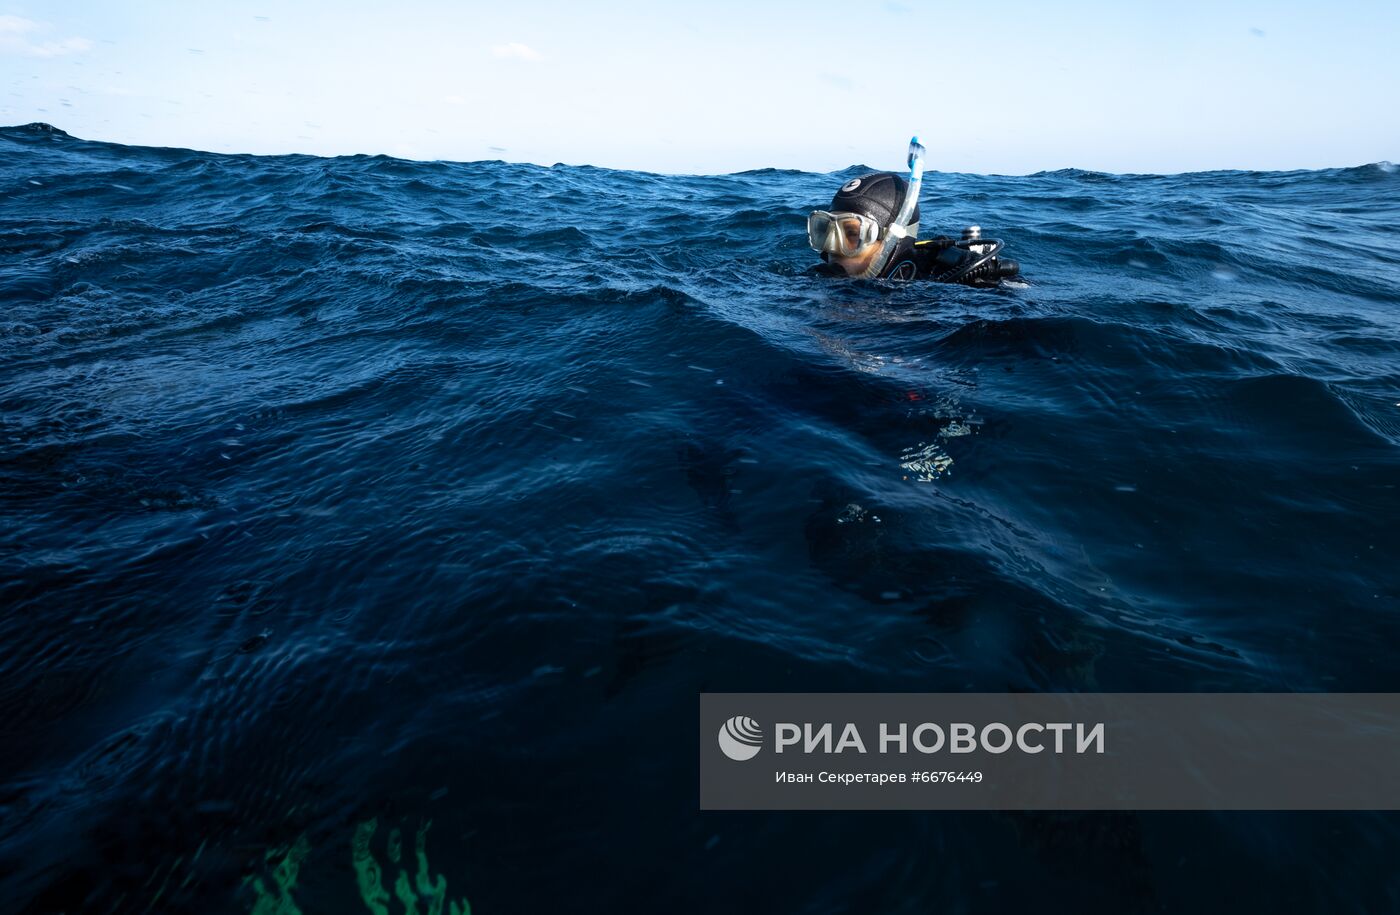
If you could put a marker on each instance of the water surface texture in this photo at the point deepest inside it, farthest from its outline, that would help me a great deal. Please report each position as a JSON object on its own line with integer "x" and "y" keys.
{"x": 344, "y": 496}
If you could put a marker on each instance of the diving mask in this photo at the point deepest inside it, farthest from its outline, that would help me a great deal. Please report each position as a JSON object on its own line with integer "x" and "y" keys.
{"x": 841, "y": 233}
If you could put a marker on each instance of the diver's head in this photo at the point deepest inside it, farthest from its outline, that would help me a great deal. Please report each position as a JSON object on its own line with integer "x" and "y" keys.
{"x": 852, "y": 232}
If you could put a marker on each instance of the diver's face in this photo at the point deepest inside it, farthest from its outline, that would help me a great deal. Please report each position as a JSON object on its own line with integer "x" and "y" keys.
{"x": 857, "y": 263}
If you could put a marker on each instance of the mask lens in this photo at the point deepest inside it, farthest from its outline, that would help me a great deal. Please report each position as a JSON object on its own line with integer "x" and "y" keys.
{"x": 819, "y": 226}
{"x": 851, "y": 231}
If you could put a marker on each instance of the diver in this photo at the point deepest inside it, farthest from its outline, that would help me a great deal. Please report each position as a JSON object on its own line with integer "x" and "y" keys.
{"x": 871, "y": 231}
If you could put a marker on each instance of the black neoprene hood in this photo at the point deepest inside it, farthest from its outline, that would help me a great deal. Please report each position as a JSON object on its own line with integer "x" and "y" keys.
{"x": 878, "y": 195}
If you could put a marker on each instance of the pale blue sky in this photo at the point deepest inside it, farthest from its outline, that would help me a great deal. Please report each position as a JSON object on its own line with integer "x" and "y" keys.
{"x": 1007, "y": 87}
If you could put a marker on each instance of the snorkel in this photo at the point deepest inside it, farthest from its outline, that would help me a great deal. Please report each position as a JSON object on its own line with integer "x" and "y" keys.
{"x": 899, "y": 228}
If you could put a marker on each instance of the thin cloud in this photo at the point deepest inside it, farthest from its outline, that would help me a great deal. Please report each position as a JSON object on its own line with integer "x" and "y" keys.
{"x": 516, "y": 51}
{"x": 17, "y": 37}
{"x": 16, "y": 25}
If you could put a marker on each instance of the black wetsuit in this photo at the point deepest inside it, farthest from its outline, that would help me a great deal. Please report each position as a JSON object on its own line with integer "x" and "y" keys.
{"x": 943, "y": 260}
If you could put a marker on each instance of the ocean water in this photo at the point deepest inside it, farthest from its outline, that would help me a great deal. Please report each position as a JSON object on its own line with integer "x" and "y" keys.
{"x": 342, "y": 497}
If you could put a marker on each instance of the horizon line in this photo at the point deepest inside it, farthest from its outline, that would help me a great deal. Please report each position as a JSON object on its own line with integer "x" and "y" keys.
{"x": 1385, "y": 165}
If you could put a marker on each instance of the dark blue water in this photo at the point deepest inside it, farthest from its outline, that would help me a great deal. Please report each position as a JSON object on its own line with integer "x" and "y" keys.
{"x": 352, "y": 491}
